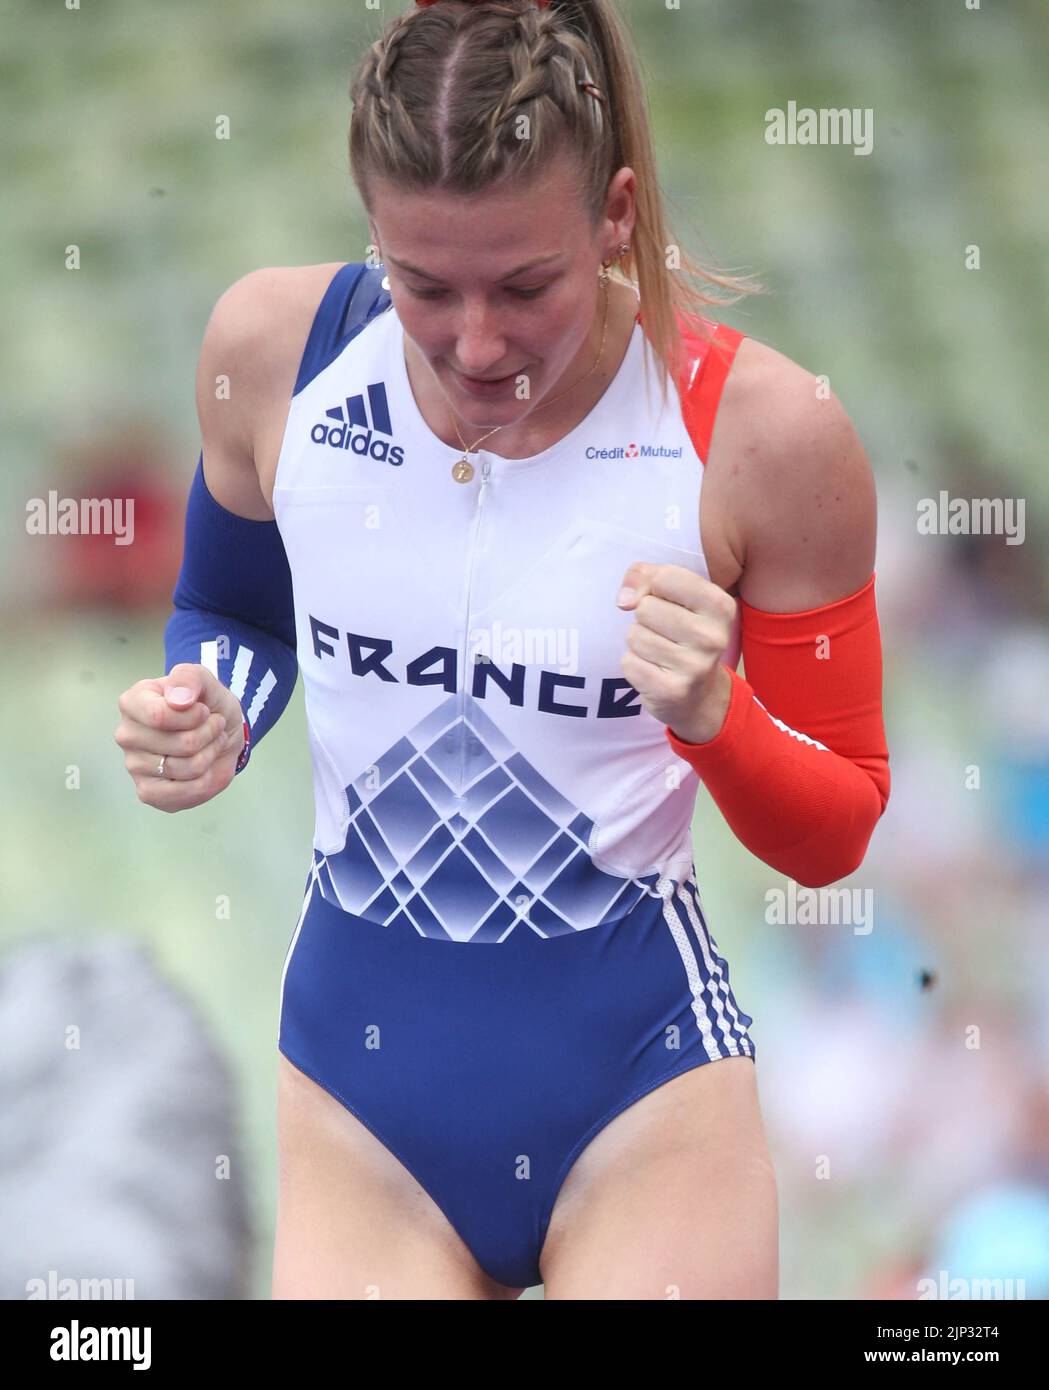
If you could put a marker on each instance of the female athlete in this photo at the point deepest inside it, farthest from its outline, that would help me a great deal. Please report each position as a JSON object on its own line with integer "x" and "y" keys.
{"x": 442, "y": 486}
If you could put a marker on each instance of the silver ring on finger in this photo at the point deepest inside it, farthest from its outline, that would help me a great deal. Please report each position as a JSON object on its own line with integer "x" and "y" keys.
{"x": 160, "y": 768}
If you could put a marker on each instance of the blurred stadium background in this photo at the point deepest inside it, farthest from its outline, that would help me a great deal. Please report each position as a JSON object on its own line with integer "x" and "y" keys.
{"x": 902, "y": 1149}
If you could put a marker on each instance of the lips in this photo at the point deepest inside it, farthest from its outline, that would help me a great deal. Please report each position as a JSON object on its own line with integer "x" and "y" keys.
{"x": 486, "y": 388}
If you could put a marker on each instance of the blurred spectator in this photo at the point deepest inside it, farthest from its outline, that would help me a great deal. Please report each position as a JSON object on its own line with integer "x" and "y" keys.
{"x": 119, "y": 1158}
{"x": 93, "y": 570}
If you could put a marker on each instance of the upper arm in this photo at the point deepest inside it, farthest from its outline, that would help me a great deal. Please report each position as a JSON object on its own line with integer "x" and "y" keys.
{"x": 246, "y": 372}
{"x": 228, "y": 388}
{"x": 799, "y": 490}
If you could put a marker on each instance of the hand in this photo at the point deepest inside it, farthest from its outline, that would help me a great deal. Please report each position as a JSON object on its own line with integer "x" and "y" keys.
{"x": 195, "y": 720}
{"x": 683, "y": 624}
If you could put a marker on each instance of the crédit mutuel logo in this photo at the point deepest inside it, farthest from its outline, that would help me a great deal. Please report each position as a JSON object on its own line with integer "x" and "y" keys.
{"x": 636, "y": 451}
{"x": 351, "y": 428}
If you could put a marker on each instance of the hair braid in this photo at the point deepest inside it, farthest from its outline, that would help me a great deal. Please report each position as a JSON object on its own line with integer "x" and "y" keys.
{"x": 388, "y": 118}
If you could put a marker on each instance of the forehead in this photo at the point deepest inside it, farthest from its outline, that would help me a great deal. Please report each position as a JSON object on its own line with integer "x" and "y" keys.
{"x": 490, "y": 233}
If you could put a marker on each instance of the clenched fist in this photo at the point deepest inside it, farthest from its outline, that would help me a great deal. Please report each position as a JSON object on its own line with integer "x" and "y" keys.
{"x": 194, "y": 722}
{"x": 682, "y": 626}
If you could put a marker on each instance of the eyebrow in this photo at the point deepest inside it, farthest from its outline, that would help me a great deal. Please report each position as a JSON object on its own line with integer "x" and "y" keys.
{"x": 529, "y": 265}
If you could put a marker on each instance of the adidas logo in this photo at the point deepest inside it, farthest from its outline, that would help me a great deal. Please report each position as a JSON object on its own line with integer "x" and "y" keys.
{"x": 352, "y": 417}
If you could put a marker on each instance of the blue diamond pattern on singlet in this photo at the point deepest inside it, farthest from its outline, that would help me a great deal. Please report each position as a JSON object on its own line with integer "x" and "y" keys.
{"x": 509, "y": 853}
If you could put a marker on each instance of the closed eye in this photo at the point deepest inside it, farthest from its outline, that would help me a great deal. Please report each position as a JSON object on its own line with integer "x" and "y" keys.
{"x": 518, "y": 293}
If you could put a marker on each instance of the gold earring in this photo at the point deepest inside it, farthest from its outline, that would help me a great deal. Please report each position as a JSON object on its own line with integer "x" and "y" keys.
{"x": 606, "y": 266}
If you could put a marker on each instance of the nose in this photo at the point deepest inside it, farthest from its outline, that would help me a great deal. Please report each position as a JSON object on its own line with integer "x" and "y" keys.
{"x": 480, "y": 344}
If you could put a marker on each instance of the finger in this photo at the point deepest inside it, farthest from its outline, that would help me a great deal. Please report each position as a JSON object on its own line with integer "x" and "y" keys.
{"x": 165, "y": 794}
{"x": 694, "y": 591}
{"x": 682, "y": 663}
{"x": 636, "y": 583}
{"x": 652, "y": 681}
{"x": 145, "y": 762}
{"x": 187, "y": 682}
{"x": 143, "y": 704}
{"x": 653, "y": 647}
{"x": 643, "y": 675}
{"x": 184, "y": 683}
{"x": 144, "y": 738}
{"x": 690, "y": 590}
{"x": 692, "y": 632}
{"x": 661, "y": 615}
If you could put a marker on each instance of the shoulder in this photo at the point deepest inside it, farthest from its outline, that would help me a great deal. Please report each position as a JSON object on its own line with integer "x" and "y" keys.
{"x": 262, "y": 320}
{"x": 793, "y": 482}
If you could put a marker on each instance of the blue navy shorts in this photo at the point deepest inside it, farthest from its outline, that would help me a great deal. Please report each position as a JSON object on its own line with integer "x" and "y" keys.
{"x": 485, "y": 1067}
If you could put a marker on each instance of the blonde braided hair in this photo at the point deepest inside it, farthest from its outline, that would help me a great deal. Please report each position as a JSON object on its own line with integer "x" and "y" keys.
{"x": 463, "y": 97}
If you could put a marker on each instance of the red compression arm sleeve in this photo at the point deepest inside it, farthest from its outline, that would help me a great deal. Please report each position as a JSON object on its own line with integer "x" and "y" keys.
{"x": 800, "y": 767}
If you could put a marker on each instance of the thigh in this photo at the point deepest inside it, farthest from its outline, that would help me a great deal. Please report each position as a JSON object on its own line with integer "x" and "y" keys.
{"x": 674, "y": 1198}
{"x": 352, "y": 1223}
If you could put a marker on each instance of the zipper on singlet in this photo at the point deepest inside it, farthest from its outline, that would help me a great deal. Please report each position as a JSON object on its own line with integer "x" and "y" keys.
{"x": 467, "y": 664}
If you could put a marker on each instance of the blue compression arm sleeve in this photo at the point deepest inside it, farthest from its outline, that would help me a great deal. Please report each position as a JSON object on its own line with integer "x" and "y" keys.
{"x": 234, "y": 610}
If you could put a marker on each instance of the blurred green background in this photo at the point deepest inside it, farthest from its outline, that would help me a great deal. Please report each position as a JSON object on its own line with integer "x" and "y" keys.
{"x": 107, "y": 121}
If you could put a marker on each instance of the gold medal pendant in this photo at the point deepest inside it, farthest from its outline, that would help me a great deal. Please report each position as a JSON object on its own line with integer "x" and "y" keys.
{"x": 462, "y": 470}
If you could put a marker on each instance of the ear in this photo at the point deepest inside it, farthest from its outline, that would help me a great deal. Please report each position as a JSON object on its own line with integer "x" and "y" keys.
{"x": 621, "y": 208}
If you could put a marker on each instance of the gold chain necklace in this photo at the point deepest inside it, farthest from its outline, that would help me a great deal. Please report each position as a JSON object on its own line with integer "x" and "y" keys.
{"x": 463, "y": 469}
